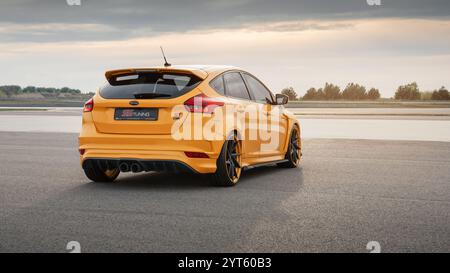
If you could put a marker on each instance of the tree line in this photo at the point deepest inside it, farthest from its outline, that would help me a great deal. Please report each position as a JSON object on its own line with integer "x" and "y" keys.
{"x": 13, "y": 90}
{"x": 354, "y": 91}
{"x": 411, "y": 92}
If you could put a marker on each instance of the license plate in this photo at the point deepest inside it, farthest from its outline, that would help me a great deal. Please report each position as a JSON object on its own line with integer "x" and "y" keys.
{"x": 136, "y": 114}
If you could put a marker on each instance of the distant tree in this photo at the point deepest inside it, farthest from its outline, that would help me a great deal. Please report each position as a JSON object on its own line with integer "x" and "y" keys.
{"x": 10, "y": 90}
{"x": 290, "y": 92}
{"x": 3, "y": 94}
{"x": 29, "y": 89}
{"x": 426, "y": 95}
{"x": 320, "y": 94}
{"x": 441, "y": 94}
{"x": 408, "y": 92}
{"x": 354, "y": 92}
{"x": 331, "y": 92}
{"x": 373, "y": 94}
{"x": 64, "y": 90}
{"x": 41, "y": 90}
{"x": 311, "y": 94}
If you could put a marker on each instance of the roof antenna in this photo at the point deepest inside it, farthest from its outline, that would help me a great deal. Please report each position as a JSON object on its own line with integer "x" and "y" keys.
{"x": 166, "y": 64}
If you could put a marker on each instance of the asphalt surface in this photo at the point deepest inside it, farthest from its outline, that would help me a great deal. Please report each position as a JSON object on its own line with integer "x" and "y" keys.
{"x": 346, "y": 193}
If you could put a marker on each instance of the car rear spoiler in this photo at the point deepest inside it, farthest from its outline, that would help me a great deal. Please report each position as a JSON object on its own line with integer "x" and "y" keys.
{"x": 112, "y": 74}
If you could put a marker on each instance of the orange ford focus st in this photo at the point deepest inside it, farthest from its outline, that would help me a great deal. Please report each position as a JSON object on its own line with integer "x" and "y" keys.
{"x": 215, "y": 120}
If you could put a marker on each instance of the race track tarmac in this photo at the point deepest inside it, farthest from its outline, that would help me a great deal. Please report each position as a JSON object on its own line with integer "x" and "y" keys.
{"x": 345, "y": 194}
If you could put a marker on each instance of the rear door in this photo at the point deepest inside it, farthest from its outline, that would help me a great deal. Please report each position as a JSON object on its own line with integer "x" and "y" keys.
{"x": 236, "y": 89}
{"x": 141, "y": 102}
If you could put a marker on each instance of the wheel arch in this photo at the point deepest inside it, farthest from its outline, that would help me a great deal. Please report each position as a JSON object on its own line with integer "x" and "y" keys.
{"x": 291, "y": 124}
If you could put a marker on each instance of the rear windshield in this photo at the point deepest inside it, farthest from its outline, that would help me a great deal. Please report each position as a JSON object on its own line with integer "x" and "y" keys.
{"x": 149, "y": 86}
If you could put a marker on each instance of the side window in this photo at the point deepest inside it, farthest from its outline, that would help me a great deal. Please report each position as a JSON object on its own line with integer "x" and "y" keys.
{"x": 235, "y": 86}
{"x": 217, "y": 84}
{"x": 259, "y": 91}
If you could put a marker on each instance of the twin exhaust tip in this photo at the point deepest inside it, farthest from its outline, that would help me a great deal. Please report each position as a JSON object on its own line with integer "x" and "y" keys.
{"x": 134, "y": 167}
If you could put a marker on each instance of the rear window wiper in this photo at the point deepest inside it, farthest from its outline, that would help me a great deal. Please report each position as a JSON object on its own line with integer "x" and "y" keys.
{"x": 150, "y": 95}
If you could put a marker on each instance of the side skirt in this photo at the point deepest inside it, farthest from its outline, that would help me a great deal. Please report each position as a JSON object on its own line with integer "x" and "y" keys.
{"x": 264, "y": 164}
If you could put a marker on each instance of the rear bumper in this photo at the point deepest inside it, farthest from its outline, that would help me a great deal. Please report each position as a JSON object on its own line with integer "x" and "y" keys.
{"x": 155, "y": 151}
{"x": 153, "y": 160}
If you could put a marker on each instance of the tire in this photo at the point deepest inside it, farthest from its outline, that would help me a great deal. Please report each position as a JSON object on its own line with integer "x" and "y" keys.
{"x": 228, "y": 169}
{"x": 96, "y": 173}
{"x": 294, "y": 152}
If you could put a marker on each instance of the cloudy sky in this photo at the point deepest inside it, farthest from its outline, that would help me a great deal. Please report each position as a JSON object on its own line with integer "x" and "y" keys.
{"x": 298, "y": 43}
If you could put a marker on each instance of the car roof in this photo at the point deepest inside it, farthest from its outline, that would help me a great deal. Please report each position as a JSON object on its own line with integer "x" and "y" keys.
{"x": 206, "y": 68}
{"x": 209, "y": 69}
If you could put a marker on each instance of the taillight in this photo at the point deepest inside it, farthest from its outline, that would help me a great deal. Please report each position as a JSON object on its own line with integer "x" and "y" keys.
{"x": 81, "y": 151}
{"x": 89, "y": 106}
{"x": 202, "y": 104}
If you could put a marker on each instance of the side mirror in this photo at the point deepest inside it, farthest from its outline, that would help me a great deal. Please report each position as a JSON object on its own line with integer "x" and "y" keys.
{"x": 281, "y": 99}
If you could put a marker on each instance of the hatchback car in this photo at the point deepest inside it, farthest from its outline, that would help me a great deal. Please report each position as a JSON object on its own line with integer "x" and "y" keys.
{"x": 215, "y": 120}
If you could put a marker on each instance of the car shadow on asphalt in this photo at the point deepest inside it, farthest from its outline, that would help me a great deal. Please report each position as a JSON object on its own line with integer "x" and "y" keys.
{"x": 160, "y": 180}
{"x": 158, "y": 212}
{"x": 256, "y": 177}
